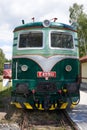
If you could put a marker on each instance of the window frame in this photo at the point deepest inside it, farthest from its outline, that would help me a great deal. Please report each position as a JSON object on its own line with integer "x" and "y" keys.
{"x": 59, "y": 48}
{"x": 30, "y": 48}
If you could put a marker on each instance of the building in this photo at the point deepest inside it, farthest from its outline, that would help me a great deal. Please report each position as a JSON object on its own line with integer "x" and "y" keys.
{"x": 83, "y": 61}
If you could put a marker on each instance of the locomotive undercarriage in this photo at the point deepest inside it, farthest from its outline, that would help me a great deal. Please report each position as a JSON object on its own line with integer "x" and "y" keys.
{"x": 46, "y": 96}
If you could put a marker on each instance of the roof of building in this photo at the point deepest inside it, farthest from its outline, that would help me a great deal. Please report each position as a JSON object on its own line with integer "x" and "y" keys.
{"x": 83, "y": 59}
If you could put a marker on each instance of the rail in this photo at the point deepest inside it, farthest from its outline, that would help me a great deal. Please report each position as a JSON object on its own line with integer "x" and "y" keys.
{"x": 34, "y": 120}
{"x": 72, "y": 124}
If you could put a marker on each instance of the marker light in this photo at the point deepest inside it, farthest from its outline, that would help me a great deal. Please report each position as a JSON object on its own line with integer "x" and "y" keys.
{"x": 46, "y": 23}
{"x": 24, "y": 67}
{"x": 68, "y": 68}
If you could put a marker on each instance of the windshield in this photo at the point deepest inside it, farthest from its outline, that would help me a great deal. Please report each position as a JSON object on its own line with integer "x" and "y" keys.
{"x": 31, "y": 40}
{"x": 7, "y": 66}
{"x": 61, "y": 40}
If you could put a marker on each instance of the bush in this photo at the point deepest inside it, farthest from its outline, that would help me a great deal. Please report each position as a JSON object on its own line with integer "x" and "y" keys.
{"x": 1, "y": 78}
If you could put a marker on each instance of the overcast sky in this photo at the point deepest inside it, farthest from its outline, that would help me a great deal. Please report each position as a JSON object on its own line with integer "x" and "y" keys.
{"x": 13, "y": 11}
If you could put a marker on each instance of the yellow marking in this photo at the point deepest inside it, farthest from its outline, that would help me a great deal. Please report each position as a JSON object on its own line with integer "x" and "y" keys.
{"x": 75, "y": 103}
{"x": 64, "y": 90}
{"x": 64, "y": 105}
{"x": 55, "y": 105}
{"x": 28, "y": 106}
{"x": 52, "y": 107}
{"x": 36, "y": 105}
{"x": 72, "y": 106}
{"x": 40, "y": 107}
{"x": 18, "y": 105}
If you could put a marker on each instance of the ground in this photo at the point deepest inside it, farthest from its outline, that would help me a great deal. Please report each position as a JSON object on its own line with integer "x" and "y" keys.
{"x": 28, "y": 119}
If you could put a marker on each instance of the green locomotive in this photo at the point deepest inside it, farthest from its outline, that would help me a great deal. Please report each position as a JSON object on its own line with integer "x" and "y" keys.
{"x": 45, "y": 66}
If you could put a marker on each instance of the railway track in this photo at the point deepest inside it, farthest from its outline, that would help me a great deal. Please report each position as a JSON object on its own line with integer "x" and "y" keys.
{"x": 46, "y": 120}
{"x": 70, "y": 122}
{"x": 38, "y": 120}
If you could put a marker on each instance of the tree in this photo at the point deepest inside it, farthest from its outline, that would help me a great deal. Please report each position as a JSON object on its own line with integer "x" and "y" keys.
{"x": 77, "y": 15}
{"x": 2, "y": 60}
{"x": 83, "y": 35}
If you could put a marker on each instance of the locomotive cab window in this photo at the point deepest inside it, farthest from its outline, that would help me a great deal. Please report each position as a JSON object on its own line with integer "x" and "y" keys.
{"x": 31, "y": 40}
{"x": 61, "y": 40}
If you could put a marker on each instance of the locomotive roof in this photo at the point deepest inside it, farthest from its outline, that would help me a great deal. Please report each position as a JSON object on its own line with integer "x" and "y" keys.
{"x": 40, "y": 25}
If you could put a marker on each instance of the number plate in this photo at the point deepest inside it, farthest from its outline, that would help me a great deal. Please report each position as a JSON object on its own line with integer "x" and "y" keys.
{"x": 41, "y": 74}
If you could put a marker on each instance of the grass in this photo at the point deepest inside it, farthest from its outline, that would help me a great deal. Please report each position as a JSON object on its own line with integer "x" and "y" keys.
{"x": 0, "y": 85}
{"x": 4, "y": 91}
{"x": 1, "y": 77}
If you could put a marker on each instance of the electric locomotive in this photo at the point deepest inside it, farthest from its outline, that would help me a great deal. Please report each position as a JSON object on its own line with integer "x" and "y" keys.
{"x": 45, "y": 66}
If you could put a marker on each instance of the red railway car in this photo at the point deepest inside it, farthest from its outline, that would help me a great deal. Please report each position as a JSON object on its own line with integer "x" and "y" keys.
{"x": 7, "y": 71}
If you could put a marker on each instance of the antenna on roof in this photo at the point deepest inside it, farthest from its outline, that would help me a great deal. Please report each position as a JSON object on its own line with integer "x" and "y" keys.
{"x": 23, "y": 22}
{"x": 54, "y": 19}
{"x": 33, "y": 19}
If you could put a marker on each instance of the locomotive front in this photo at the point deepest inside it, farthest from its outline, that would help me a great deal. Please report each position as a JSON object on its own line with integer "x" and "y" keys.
{"x": 45, "y": 66}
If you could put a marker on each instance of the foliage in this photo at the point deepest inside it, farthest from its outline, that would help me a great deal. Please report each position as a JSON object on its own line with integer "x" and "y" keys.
{"x": 6, "y": 60}
{"x": 77, "y": 15}
{"x": 2, "y": 60}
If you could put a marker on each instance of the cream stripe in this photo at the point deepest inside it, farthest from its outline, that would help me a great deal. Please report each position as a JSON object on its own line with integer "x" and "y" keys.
{"x": 45, "y": 63}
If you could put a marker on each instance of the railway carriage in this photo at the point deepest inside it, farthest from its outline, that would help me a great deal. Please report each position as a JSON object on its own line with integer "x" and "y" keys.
{"x": 7, "y": 71}
{"x": 45, "y": 66}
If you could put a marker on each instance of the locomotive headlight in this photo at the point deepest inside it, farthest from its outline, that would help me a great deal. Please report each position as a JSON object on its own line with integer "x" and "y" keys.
{"x": 68, "y": 68}
{"x": 24, "y": 67}
{"x": 46, "y": 23}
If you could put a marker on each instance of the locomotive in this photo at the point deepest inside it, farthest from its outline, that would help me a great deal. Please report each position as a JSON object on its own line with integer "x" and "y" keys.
{"x": 45, "y": 66}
